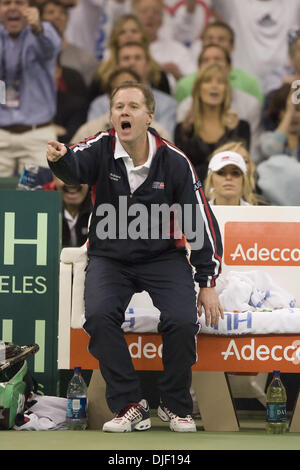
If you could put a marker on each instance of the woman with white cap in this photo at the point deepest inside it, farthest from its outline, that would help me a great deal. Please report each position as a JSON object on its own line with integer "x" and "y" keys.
{"x": 227, "y": 182}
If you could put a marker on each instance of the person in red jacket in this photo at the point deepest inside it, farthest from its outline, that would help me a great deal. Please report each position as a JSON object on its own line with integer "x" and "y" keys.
{"x": 135, "y": 172}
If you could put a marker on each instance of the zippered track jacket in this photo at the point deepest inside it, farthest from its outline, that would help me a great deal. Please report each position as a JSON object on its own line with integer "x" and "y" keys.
{"x": 171, "y": 182}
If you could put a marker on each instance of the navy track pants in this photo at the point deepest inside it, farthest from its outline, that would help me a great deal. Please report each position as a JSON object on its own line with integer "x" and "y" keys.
{"x": 109, "y": 287}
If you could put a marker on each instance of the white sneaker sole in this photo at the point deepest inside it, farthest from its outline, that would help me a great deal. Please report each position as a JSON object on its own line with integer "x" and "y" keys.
{"x": 141, "y": 426}
{"x": 186, "y": 428}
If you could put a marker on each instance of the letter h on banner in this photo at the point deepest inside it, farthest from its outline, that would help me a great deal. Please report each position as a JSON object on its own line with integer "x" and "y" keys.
{"x": 10, "y": 241}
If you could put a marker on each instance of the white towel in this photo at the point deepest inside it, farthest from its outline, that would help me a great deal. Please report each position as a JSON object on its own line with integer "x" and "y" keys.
{"x": 45, "y": 413}
{"x": 246, "y": 290}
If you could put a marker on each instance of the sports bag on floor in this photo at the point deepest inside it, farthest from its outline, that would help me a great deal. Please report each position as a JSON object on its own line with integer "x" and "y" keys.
{"x": 15, "y": 381}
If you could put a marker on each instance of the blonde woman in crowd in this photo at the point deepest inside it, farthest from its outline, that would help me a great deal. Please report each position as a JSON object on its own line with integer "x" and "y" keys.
{"x": 210, "y": 121}
{"x": 127, "y": 29}
{"x": 248, "y": 193}
{"x": 227, "y": 183}
{"x": 253, "y": 197}
{"x": 240, "y": 147}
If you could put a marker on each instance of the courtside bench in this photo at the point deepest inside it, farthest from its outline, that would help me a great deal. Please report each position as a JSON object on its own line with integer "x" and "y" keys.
{"x": 255, "y": 238}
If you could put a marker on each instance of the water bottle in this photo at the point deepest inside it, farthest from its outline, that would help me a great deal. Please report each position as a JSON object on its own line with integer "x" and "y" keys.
{"x": 77, "y": 402}
{"x": 276, "y": 406}
{"x": 28, "y": 178}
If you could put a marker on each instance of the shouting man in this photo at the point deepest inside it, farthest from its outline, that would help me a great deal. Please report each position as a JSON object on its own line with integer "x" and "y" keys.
{"x": 136, "y": 171}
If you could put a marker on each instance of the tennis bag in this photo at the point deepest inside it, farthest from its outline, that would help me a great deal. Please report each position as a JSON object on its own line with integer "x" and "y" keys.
{"x": 16, "y": 382}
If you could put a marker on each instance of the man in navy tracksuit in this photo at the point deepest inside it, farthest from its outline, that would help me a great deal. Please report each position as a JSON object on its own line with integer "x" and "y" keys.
{"x": 132, "y": 248}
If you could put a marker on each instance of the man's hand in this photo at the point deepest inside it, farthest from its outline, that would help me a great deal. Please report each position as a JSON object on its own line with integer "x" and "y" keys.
{"x": 209, "y": 300}
{"x": 55, "y": 151}
{"x": 32, "y": 16}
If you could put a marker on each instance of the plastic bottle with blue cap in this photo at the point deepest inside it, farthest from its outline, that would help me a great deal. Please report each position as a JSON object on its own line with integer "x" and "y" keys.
{"x": 77, "y": 402}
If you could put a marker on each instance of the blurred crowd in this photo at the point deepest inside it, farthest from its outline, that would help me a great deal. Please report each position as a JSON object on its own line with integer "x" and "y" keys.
{"x": 225, "y": 76}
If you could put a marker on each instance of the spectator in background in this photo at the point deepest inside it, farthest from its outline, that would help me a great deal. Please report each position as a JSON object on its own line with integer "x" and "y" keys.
{"x": 77, "y": 208}
{"x": 219, "y": 34}
{"x": 71, "y": 56}
{"x": 182, "y": 21}
{"x": 253, "y": 197}
{"x": 127, "y": 28}
{"x": 174, "y": 58}
{"x": 290, "y": 71}
{"x": 28, "y": 52}
{"x": 189, "y": 19}
{"x": 283, "y": 124}
{"x": 245, "y": 105}
{"x": 84, "y": 20}
{"x": 211, "y": 54}
{"x": 260, "y": 28}
{"x": 227, "y": 183}
{"x": 281, "y": 76}
{"x": 210, "y": 122}
{"x": 72, "y": 92}
{"x": 72, "y": 102}
{"x": 90, "y": 128}
{"x": 136, "y": 57}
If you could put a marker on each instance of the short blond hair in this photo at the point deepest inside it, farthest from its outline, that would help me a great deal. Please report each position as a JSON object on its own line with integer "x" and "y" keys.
{"x": 148, "y": 95}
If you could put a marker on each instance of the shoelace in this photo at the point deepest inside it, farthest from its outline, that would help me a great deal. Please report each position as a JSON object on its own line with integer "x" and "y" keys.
{"x": 169, "y": 413}
{"x": 130, "y": 411}
{"x": 173, "y": 415}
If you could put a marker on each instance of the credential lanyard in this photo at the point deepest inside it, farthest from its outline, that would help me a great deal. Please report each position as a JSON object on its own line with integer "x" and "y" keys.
{"x": 13, "y": 84}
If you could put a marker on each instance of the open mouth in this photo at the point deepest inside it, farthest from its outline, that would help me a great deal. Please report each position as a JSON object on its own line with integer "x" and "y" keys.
{"x": 13, "y": 19}
{"x": 125, "y": 125}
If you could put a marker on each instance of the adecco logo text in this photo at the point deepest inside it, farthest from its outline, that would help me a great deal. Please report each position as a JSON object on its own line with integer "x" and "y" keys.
{"x": 262, "y": 352}
{"x": 262, "y": 243}
{"x": 141, "y": 349}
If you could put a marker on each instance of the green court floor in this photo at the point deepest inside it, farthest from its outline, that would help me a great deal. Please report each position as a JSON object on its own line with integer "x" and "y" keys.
{"x": 250, "y": 437}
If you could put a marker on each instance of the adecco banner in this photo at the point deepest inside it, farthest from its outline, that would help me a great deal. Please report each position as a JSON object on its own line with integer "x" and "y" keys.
{"x": 30, "y": 234}
{"x": 262, "y": 243}
{"x": 267, "y": 237}
{"x": 231, "y": 354}
{"x": 249, "y": 353}
{"x": 262, "y": 238}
